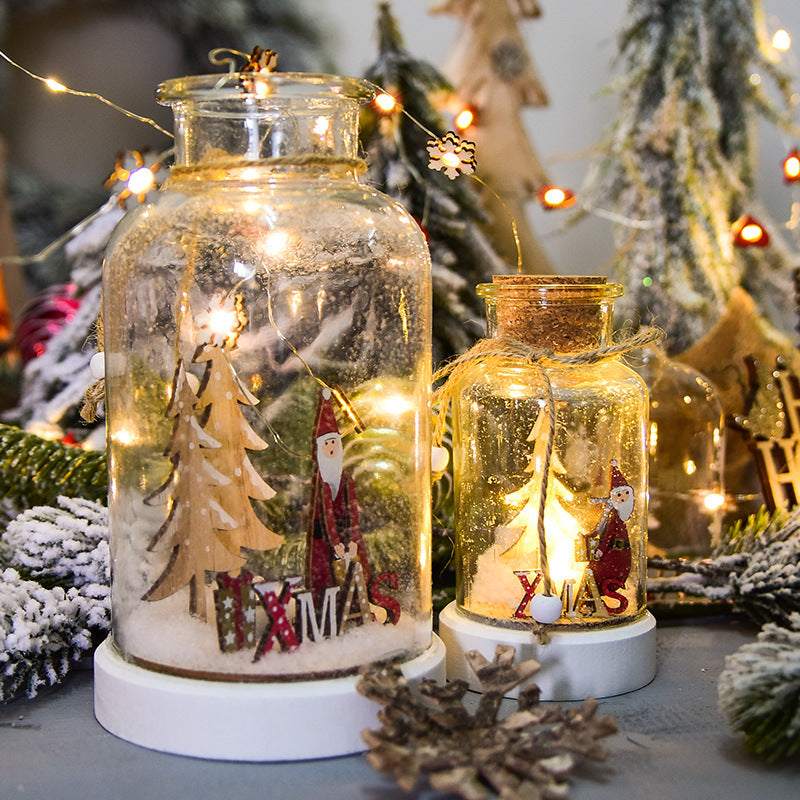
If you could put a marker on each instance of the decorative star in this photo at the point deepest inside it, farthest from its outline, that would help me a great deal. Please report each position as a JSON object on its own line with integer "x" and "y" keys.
{"x": 452, "y": 155}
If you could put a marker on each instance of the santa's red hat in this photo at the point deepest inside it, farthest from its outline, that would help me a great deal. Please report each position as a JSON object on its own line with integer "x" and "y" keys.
{"x": 617, "y": 478}
{"x": 326, "y": 419}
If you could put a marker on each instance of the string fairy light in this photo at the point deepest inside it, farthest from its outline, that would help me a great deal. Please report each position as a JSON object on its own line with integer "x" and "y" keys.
{"x": 466, "y": 118}
{"x": 791, "y": 167}
{"x": 781, "y": 40}
{"x": 56, "y": 244}
{"x": 60, "y": 88}
{"x": 386, "y": 103}
{"x": 137, "y": 183}
{"x": 555, "y": 197}
{"x": 747, "y": 231}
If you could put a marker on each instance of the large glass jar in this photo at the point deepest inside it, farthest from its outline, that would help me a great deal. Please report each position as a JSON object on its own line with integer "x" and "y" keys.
{"x": 590, "y": 569}
{"x": 267, "y": 338}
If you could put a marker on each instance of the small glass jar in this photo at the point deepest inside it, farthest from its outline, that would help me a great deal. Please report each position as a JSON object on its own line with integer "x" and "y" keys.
{"x": 268, "y": 351}
{"x": 686, "y": 449}
{"x": 591, "y": 571}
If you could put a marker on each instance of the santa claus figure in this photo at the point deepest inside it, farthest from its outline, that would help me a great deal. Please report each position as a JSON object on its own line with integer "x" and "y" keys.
{"x": 609, "y": 545}
{"x": 333, "y": 533}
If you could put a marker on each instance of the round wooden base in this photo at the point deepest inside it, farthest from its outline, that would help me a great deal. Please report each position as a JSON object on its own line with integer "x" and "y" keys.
{"x": 574, "y": 664}
{"x": 280, "y": 721}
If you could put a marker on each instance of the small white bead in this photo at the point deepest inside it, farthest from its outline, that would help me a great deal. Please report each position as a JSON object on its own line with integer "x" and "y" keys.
{"x": 97, "y": 366}
{"x": 439, "y": 459}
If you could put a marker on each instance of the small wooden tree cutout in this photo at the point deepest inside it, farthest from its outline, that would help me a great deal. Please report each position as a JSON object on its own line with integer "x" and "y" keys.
{"x": 195, "y": 519}
{"x": 220, "y": 395}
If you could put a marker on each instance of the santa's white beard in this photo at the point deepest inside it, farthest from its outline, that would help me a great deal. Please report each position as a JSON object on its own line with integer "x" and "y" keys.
{"x": 624, "y": 508}
{"x": 330, "y": 469}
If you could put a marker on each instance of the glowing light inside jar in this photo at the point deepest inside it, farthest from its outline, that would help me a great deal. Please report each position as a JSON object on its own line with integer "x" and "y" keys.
{"x": 392, "y": 405}
{"x": 243, "y": 270}
{"x": 321, "y": 126}
{"x": 561, "y": 531}
{"x": 223, "y": 322}
{"x": 125, "y": 436}
{"x": 714, "y": 501}
{"x": 275, "y": 243}
{"x": 295, "y": 299}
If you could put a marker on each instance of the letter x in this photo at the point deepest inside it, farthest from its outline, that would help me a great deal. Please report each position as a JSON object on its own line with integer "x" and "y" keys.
{"x": 529, "y": 591}
{"x": 274, "y": 596}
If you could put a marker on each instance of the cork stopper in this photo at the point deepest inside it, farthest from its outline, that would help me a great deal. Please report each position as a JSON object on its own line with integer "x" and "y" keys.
{"x": 565, "y": 313}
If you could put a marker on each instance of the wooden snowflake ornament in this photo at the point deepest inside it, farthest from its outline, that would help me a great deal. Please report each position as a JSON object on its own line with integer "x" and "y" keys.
{"x": 452, "y": 155}
{"x": 528, "y": 754}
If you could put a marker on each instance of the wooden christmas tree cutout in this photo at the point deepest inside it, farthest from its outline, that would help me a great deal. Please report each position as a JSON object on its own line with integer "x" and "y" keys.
{"x": 221, "y": 396}
{"x": 195, "y": 517}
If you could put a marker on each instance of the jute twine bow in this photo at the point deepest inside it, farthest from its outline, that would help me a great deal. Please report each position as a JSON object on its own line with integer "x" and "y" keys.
{"x": 502, "y": 351}
{"x": 96, "y": 393}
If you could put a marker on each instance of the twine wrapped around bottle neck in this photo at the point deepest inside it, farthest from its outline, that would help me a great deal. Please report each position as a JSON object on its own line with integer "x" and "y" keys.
{"x": 227, "y": 164}
{"x": 500, "y": 351}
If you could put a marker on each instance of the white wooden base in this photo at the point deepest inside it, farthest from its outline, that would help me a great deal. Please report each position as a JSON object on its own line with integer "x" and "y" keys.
{"x": 574, "y": 664}
{"x": 281, "y": 721}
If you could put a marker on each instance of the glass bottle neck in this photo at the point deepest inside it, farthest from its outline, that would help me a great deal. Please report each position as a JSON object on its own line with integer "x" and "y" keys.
{"x": 566, "y": 314}
{"x": 263, "y": 120}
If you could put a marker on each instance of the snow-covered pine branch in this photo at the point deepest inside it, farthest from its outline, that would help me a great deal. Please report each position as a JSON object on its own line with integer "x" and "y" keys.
{"x": 759, "y": 691}
{"x": 756, "y": 568}
{"x": 67, "y": 545}
{"x": 42, "y": 631}
{"x": 47, "y": 623}
{"x": 768, "y": 590}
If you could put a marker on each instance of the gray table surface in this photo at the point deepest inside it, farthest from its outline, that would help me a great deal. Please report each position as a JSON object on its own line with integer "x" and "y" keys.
{"x": 673, "y": 744}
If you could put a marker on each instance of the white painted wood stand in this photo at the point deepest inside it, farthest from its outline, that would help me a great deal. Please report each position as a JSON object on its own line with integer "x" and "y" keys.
{"x": 280, "y": 721}
{"x": 574, "y": 664}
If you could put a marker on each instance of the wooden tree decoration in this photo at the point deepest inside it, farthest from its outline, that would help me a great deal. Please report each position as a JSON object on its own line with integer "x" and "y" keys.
{"x": 519, "y": 550}
{"x": 678, "y": 163}
{"x": 195, "y": 520}
{"x": 778, "y": 458}
{"x": 493, "y": 76}
{"x": 449, "y": 210}
{"x": 509, "y": 534}
{"x": 222, "y": 395}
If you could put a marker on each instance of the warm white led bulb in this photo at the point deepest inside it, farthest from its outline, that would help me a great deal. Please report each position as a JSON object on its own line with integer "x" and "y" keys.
{"x": 141, "y": 181}
{"x": 54, "y": 85}
{"x": 781, "y": 40}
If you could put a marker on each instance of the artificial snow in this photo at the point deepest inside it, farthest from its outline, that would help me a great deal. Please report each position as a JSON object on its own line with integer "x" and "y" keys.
{"x": 165, "y": 634}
